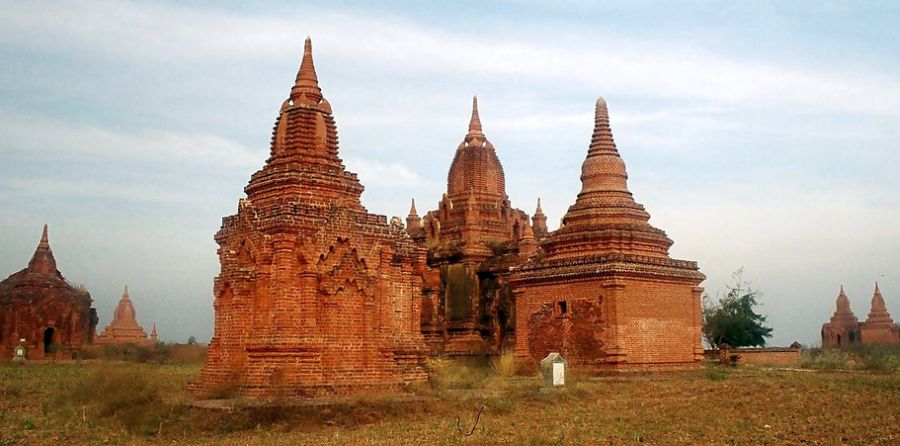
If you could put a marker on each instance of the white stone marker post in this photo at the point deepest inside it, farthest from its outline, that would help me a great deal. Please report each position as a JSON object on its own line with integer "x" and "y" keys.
{"x": 19, "y": 352}
{"x": 553, "y": 367}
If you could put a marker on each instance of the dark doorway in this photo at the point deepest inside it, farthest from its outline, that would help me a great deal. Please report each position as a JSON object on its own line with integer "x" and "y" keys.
{"x": 48, "y": 339}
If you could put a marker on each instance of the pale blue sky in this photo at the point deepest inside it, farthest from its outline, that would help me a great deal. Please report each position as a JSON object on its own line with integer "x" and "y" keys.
{"x": 757, "y": 134}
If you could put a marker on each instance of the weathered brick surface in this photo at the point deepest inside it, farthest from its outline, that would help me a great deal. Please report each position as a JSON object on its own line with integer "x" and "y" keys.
{"x": 845, "y": 329}
{"x": 315, "y": 295}
{"x": 473, "y": 238}
{"x": 124, "y": 328}
{"x": 37, "y": 304}
{"x": 602, "y": 287}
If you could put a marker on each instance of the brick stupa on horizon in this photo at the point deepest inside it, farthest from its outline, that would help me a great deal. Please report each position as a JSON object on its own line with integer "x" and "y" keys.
{"x": 38, "y": 304}
{"x": 124, "y": 328}
{"x": 316, "y": 296}
{"x": 604, "y": 291}
{"x": 845, "y": 329}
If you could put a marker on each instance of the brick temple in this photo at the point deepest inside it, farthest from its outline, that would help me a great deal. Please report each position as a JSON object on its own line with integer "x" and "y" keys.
{"x": 845, "y": 329}
{"x": 124, "y": 328}
{"x": 38, "y": 304}
{"x": 473, "y": 238}
{"x": 603, "y": 290}
{"x": 316, "y": 296}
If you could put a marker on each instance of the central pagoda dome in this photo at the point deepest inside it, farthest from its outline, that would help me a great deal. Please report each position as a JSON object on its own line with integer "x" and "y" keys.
{"x": 475, "y": 168}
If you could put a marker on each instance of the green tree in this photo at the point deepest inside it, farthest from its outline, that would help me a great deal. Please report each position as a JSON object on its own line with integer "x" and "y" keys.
{"x": 731, "y": 320}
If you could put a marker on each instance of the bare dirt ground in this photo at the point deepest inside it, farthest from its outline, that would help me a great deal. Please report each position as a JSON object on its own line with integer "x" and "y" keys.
{"x": 108, "y": 402}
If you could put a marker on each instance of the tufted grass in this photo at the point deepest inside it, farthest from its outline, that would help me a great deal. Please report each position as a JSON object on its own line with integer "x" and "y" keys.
{"x": 116, "y": 402}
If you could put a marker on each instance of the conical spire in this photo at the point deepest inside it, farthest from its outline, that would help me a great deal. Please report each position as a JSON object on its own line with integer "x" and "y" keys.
{"x": 843, "y": 303}
{"x": 605, "y": 218}
{"x": 878, "y": 314}
{"x": 602, "y": 139}
{"x": 603, "y": 170}
{"x": 475, "y": 121}
{"x": 42, "y": 262}
{"x": 538, "y": 211}
{"x": 412, "y": 209}
{"x": 306, "y": 89}
{"x": 124, "y": 309}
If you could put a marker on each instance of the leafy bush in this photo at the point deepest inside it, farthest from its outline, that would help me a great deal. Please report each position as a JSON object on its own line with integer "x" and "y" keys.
{"x": 505, "y": 363}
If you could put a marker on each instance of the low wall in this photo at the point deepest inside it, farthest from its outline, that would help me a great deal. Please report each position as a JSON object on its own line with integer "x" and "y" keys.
{"x": 785, "y": 356}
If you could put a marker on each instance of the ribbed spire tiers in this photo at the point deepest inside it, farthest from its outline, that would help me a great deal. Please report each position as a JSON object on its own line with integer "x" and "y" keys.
{"x": 878, "y": 315}
{"x": 43, "y": 262}
{"x": 539, "y": 221}
{"x": 538, "y": 210}
{"x": 306, "y": 89}
{"x": 605, "y": 218}
{"x": 304, "y": 157}
{"x": 412, "y": 209}
{"x": 475, "y": 168}
{"x": 843, "y": 315}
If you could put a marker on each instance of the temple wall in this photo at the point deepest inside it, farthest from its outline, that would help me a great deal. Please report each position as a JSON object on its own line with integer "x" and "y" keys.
{"x": 610, "y": 323}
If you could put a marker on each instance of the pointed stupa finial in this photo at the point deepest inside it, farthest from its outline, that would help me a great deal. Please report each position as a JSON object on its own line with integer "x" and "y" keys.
{"x": 125, "y": 293}
{"x": 412, "y": 209}
{"x": 307, "y": 84}
{"x": 42, "y": 261}
{"x": 45, "y": 241}
{"x": 475, "y": 122}
{"x": 539, "y": 210}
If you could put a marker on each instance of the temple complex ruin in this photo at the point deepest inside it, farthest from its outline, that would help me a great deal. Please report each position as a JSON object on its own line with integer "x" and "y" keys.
{"x": 316, "y": 296}
{"x": 38, "y": 305}
{"x": 844, "y": 328}
{"x": 124, "y": 328}
{"x": 603, "y": 290}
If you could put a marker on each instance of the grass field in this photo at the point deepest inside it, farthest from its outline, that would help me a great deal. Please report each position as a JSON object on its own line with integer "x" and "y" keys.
{"x": 113, "y": 402}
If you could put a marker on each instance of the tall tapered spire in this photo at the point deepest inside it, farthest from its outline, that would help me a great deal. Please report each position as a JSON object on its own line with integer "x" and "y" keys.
{"x": 602, "y": 139}
{"x": 539, "y": 210}
{"x": 605, "y": 218}
{"x": 878, "y": 314}
{"x": 603, "y": 170}
{"x": 475, "y": 121}
{"x": 125, "y": 293}
{"x": 306, "y": 88}
{"x": 43, "y": 262}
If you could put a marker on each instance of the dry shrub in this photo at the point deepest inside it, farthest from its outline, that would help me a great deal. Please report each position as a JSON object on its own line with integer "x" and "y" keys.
{"x": 123, "y": 393}
{"x": 879, "y": 358}
{"x": 505, "y": 364}
{"x": 824, "y": 359}
{"x": 465, "y": 373}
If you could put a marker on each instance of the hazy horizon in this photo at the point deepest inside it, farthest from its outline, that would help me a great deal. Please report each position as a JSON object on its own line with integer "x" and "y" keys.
{"x": 761, "y": 135}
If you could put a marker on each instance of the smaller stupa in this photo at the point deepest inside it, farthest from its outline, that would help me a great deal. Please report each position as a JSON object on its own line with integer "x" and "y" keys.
{"x": 124, "y": 328}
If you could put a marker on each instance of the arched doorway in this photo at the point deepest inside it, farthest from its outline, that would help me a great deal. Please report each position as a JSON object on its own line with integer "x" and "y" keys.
{"x": 48, "y": 339}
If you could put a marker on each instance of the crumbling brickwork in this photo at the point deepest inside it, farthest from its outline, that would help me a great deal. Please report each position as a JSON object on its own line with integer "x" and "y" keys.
{"x": 473, "y": 238}
{"x": 315, "y": 295}
{"x": 38, "y": 305}
{"x": 607, "y": 271}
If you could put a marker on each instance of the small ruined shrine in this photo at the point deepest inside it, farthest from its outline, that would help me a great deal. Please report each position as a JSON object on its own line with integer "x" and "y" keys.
{"x": 315, "y": 295}
{"x": 473, "y": 238}
{"x": 38, "y": 305}
{"x": 124, "y": 328}
{"x": 845, "y": 329}
{"x": 603, "y": 290}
